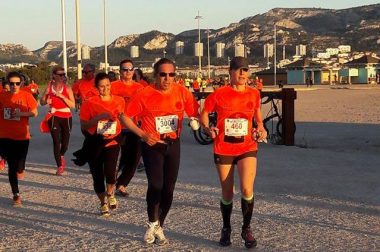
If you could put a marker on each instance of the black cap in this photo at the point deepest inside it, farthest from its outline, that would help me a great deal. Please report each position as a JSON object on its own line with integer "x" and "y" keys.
{"x": 238, "y": 62}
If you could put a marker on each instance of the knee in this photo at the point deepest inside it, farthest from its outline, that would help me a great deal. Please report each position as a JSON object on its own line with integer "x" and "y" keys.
{"x": 247, "y": 192}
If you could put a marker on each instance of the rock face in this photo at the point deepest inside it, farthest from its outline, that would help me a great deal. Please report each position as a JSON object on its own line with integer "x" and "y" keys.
{"x": 319, "y": 28}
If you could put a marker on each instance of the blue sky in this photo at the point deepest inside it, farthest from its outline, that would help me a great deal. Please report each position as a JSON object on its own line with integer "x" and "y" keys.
{"x": 34, "y": 22}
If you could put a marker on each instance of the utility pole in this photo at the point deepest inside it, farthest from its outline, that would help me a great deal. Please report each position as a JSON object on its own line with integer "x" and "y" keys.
{"x": 105, "y": 40}
{"x": 208, "y": 53}
{"x": 64, "y": 49}
{"x": 274, "y": 56}
{"x": 79, "y": 47}
{"x": 198, "y": 18}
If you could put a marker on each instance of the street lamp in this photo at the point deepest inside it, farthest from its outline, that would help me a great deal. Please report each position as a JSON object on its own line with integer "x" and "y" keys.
{"x": 105, "y": 39}
{"x": 64, "y": 49}
{"x": 198, "y": 17}
{"x": 79, "y": 47}
{"x": 274, "y": 56}
{"x": 208, "y": 52}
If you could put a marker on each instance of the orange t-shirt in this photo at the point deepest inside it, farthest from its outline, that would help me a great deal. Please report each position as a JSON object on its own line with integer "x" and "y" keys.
{"x": 154, "y": 107}
{"x": 32, "y": 88}
{"x": 143, "y": 82}
{"x": 234, "y": 109}
{"x": 126, "y": 91}
{"x": 95, "y": 106}
{"x": 85, "y": 89}
{"x": 15, "y": 128}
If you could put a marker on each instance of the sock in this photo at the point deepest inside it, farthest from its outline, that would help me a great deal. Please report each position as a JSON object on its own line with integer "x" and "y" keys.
{"x": 247, "y": 209}
{"x": 226, "y": 209}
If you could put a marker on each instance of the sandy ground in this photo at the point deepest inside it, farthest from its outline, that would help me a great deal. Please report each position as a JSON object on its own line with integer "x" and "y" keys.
{"x": 320, "y": 195}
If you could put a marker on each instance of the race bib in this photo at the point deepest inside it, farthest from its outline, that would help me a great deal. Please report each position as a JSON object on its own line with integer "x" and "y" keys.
{"x": 235, "y": 127}
{"x": 166, "y": 124}
{"x": 106, "y": 127}
{"x": 8, "y": 114}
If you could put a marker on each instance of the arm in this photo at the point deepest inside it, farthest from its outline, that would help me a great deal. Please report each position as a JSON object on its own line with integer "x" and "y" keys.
{"x": 262, "y": 133}
{"x": 146, "y": 137}
{"x": 85, "y": 125}
{"x": 44, "y": 98}
{"x": 32, "y": 113}
{"x": 213, "y": 131}
{"x": 70, "y": 101}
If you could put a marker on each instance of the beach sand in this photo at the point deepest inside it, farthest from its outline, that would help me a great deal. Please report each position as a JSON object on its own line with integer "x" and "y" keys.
{"x": 320, "y": 195}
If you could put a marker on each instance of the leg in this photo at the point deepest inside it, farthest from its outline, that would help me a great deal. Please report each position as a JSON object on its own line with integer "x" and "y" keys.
{"x": 55, "y": 132}
{"x": 66, "y": 125}
{"x": 110, "y": 161}
{"x": 247, "y": 174}
{"x": 171, "y": 167}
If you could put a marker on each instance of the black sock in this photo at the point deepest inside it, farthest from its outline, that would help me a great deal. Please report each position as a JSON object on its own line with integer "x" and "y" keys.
{"x": 226, "y": 214}
{"x": 247, "y": 209}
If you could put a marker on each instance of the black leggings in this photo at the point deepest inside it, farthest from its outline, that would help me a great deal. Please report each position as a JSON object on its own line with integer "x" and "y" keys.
{"x": 15, "y": 152}
{"x": 102, "y": 162}
{"x": 60, "y": 132}
{"x": 161, "y": 166}
{"x": 129, "y": 158}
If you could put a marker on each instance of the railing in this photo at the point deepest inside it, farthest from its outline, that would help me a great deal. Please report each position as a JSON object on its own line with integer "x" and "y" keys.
{"x": 278, "y": 120}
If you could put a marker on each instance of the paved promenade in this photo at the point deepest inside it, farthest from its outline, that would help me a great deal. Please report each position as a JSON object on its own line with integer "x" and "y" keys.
{"x": 321, "y": 195}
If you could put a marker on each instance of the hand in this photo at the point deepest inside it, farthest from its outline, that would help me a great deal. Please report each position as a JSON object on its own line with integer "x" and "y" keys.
{"x": 150, "y": 139}
{"x": 212, "y": 132}
{"x": 48, "y": 101}
{"x": 16, "y": 113}
{"x": 260, "y": 135}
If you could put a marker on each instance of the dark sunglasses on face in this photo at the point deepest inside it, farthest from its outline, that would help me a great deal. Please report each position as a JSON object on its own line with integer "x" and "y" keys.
{"x": 244, "y": 69}
{"x": 60, "y": 74}
{"x": 127, "y": 69}
{"x": 86, "y": 72}
{"x": 14, "y": 83}
{"x": 162, "y": 74}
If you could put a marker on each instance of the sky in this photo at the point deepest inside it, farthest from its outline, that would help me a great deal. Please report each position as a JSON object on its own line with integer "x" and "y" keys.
{"x": 35, "y": 22}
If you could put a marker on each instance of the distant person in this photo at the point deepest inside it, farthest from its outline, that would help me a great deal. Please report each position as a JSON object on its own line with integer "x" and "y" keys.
{"x": 60, "y": 98}
{"x": 139, "y": 77}
{"x": 16, "y": 106}
{"x": 99, "y": 117}
{"x": 196, "y": 86}
{"x": 85, "y": 88}
{"x": 235, "y": 144}
{"x": 112, "y": 76}
{"x": 4, "y": 87}
{"x": 33, "y": 89}
{"x": 161, "y": 107}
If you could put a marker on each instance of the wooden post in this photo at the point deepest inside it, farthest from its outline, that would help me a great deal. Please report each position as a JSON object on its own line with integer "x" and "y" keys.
{"x": 288, "y": 124}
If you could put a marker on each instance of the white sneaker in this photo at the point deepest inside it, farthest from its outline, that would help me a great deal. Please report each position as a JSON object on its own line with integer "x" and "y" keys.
{"x": 160, "y": 237}
{"x": 149, "y": 236}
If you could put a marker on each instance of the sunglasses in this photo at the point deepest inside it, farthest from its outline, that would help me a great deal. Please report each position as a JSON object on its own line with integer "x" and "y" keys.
{"x": 86, "y": 72}
{"x": 60, "y": 74}
{"x": 127, "y": 69}
{"x": 14, "y": 83}
{"x": 162, "y": 74}
{"x": 244, "y": 69}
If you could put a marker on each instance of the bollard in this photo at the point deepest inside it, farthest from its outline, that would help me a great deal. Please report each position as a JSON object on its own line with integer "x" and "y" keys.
{"x": 288, "y": 124}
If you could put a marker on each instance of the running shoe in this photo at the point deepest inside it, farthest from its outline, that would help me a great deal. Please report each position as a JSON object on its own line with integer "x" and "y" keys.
{"x": 249, "y": 240}
{"x": 60, "y": 171}
{"x": 225, "y": 237}
{"x": 160, "y": 237}
{"x": 2, "y": 164}
{"x": 104, "y": 210}
{"x": 149, "y": 235}
{"x": 16, "y": 200}
{"x": 21, "y": 175}
{"x": 112, "y": 202}
{"x": 122, "y": 191}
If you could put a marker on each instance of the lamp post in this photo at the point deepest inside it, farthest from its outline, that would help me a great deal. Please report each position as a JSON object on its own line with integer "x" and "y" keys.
{"x": 79, "y": 47}
{"x": 64, "y": 49}
{"x": 198, "y": 17}
{"x": 105, "y": 39}
{"x": 208, "y": 52}
{"x": 274, "y": 56}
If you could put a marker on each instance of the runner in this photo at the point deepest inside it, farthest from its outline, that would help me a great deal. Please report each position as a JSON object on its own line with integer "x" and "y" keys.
{"x": 3, "y": 88}
{"x": 60, "y": 98}
{"x": 99, "y": 118}
{"x": 16, "y": 106}
{"x": 161, "y": 107}
{"x": 235, "y": 144}
{"x": 84, "y": 88}
{"x": 130, "y": 156}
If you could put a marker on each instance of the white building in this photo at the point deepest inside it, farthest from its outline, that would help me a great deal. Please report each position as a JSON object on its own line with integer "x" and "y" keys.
{"x": 86, "y": 52}
{"x": 179, "y": 45}
{"x": 268, "y": 50}
{"x": 344, "y": 48}
{"x": 332, "y": 51}
{"x": 300, "y": 50}
{"x": 198, "y": 49}
{"x": 220, "y": 49}
{"x": 134, "y": 51}
{"x": 239, "y": 50}
{"x": 323, "y": 55}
